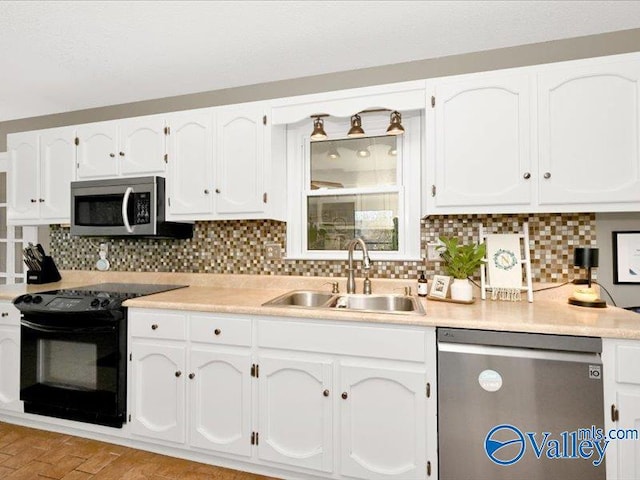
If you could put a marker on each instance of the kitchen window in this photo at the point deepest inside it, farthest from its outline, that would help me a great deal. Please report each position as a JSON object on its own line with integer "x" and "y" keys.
{"x": 365, "y": 187}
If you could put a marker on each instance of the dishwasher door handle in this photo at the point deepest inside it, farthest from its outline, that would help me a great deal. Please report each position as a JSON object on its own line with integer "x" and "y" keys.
{"x": 515, "y": 352}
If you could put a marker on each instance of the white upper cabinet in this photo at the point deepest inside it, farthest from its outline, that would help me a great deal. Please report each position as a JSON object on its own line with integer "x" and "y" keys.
{"x": 240, "y": 158}
{"x": 57, "y": 171}
{"x": 97, "y": 150}
{"x": 589, "y": 133}
{"x": 142, "y": 146}
{"x": 190, "y": 164}
{"x": 560, "y": 137}
{"x": 478, "y": 144}
{"x": 129, "y": 147}
{"x": 221, "y": 164}
{"x": 41, "y": 168}
{"x": 23, "y": 177}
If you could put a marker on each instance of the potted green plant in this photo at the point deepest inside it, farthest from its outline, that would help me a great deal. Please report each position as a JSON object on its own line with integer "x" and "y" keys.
{"x": 461, "y": 261}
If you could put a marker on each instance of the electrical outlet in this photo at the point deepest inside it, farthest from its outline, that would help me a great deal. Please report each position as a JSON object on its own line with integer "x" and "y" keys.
{"x": 272, "y": 251}
{"x": 433, "y": 254}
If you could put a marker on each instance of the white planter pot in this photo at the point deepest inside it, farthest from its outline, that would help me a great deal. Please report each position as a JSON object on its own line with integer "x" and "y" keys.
{"x": 461, "y": 289}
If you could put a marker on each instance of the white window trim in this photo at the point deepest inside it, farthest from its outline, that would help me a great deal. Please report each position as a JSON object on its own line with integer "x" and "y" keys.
{"x": 29, "y": 234}
{"x": 408, "y": 187}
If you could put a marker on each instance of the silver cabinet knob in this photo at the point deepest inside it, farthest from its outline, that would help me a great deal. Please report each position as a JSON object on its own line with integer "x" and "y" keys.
{"x": 526, "y": 175}
{"x": 547, "y": 175}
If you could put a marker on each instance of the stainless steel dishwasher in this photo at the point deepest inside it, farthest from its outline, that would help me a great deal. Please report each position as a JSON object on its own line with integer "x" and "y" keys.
{"x": 512, "y": 406}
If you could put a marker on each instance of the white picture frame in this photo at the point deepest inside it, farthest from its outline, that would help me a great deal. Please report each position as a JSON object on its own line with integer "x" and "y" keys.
{"x": 440, "y": 286}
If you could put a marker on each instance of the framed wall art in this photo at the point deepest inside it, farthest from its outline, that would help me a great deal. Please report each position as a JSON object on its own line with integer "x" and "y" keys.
{"x": 626, "y": 257}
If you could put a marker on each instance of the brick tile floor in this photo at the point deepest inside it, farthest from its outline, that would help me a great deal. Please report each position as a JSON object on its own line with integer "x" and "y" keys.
{"x": 29, "y": 454}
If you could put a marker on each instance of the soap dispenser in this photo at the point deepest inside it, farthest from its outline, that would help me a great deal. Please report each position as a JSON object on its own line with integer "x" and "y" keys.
{"x": 422, "y": 285}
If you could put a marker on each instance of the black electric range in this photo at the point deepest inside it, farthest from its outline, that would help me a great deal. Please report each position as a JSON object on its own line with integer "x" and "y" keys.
{"x": 95, "y": 299}
{"x": 73, "y": 351}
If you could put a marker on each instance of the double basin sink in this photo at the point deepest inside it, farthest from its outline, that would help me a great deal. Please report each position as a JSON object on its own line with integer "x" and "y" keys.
{"x": 384, "y": 303}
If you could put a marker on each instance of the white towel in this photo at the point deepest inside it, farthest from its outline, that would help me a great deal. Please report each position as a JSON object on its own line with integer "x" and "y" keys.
{"x": 504, "y": 258}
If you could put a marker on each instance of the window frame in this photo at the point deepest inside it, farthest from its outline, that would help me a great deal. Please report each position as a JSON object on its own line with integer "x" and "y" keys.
{"x": 407, "y": 185}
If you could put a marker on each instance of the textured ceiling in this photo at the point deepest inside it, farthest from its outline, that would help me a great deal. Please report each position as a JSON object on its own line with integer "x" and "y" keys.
{"x": 58, "y": 56}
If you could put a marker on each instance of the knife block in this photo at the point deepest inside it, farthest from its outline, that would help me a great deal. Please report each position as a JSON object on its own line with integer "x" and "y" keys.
{"x": 49, "y": 272}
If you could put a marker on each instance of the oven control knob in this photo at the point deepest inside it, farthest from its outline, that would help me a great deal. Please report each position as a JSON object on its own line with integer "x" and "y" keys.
{"x": 104, "y": 303}
{"x": 95, "y": 302}
{"x": 37, "y": 299}
{"x": 27, "y": 299}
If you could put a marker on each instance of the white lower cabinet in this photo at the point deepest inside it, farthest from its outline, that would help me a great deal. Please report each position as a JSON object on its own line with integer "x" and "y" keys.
{"x": 220, "y": 401}
{"x": 158, "y": 391}
{"x": 295, "y": 412}
{"x": 9, "y": 358}
{"x": 306, "y": 399}
{"x": 382, "y": 422}
{"x": 621, "y": 360}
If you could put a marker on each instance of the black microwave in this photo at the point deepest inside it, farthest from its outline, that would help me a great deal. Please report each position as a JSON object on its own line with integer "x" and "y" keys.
{"x": 123, "y": 207}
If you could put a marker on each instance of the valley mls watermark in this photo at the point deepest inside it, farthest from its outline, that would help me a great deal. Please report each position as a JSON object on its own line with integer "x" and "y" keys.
{"x": 506, "y": 444}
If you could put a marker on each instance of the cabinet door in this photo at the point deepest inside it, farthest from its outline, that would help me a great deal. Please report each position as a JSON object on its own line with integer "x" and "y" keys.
{"x": 629, "y": 449}
{"x": 382, "y": 423}
{"x": 57, "y": 171}
{"x": 295, "y": 426}
{"x": 482, "y": 143}
{"x": 190, "y": 167}
{"x": 142, "y": 146}
{"x": 158, "y": 395}
{"x": 220, "y": 401}
{"x": 589, "y": 134}
{"x": 10, "y": 368}
{"x": 97, "y": 150}
{"x": 23, "y": 177}
{"x": 240, "y": 159}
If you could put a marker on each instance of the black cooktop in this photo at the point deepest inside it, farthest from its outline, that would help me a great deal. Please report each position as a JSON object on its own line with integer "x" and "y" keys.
{"x": 119, "y": 290}
{"x": 93, "y": 299}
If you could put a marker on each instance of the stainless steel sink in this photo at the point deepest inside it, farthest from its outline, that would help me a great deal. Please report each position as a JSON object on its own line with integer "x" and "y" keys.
{"x": 381, "y": 303}
{"x": 302, "y": 298}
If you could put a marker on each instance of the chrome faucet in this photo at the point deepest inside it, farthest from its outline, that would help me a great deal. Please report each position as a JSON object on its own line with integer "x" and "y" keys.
{"x": 366, "y": 265}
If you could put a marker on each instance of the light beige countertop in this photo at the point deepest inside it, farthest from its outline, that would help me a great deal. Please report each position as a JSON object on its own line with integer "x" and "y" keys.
{"x": 245, "y": 294}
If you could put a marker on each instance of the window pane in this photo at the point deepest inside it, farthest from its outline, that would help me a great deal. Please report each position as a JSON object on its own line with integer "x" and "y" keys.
{"x": 3, "y": 222}
{"x": 333, "y": 220}
{"x": 19, "y": 261}
{"x": 18, "y": 232}
{"x": 3, "y": 187}
{"x": 19, "y": 280}
{"x": 3, "y": 256}
{"x": 3, "y": 281}
{"x": 354, "y": 162}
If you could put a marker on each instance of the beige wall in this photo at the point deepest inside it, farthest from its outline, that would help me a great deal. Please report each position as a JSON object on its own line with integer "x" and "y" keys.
{"x": 624, "y": 295}
{"x": 569, "y": 49}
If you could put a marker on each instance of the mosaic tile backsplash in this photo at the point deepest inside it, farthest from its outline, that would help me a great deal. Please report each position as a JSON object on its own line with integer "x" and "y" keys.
{"x": 239, "y": 247}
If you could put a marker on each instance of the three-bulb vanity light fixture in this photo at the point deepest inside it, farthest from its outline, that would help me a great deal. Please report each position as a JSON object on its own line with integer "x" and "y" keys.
{"x": 395, "y": 125}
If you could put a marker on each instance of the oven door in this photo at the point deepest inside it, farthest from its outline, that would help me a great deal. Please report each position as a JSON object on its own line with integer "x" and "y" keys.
{"x": 112, "y": 209}
{"x": 74, "y": 367}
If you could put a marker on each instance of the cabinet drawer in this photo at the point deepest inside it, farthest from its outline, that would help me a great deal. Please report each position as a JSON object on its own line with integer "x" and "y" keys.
{"x": 628, "y": 364}
{"x": 9, "y": 315}
{"x": 169, "y": 326}
{"x": 220, "y": 331}
{"x": 379, "y": 342}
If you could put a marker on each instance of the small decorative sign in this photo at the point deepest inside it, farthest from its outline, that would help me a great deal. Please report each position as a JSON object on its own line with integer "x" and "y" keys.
{"x": 626, "y": 257}
{"x": 440, "y": 286}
